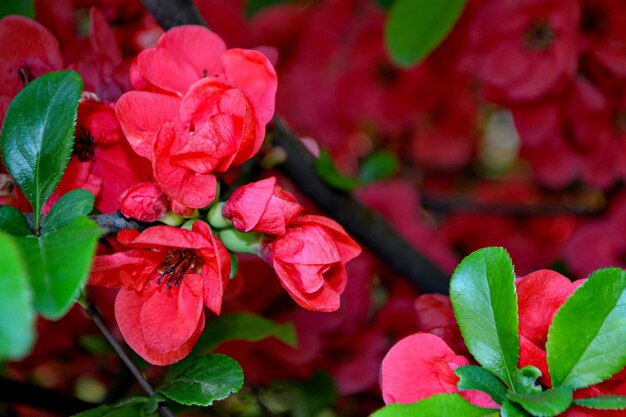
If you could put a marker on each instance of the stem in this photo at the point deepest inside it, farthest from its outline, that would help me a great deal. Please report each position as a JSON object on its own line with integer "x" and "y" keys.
{"x": 95, "y": 315}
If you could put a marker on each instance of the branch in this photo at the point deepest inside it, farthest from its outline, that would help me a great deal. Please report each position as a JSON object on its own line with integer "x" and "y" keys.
{"x": 41, "y": 398}
{"x": 94, "y": 314}
{"x": 110, "y": 223}
{"x": 371, "y": 229}
{"x": 170, "y": 13}
{"x": 366, "y": 226}
{"x": 444, "y": 204}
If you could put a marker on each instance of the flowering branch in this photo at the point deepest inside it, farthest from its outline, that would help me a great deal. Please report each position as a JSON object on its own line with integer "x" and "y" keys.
{"x": 368, "y": 227}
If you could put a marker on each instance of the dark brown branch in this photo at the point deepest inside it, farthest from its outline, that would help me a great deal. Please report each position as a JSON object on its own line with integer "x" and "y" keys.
{"x": 446, "y": 204}
{"x": 42, "y": 398}
{"x": 372, "y": 230}
{"x": 110, "y": 223}
{"x": 365, "y": 225}
{"x": 170, "y": 13}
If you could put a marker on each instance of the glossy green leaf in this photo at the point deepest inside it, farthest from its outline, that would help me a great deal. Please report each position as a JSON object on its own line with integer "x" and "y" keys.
{"x": 17, "y": 317}
{"x": 73, "y": 204}
{"x": 38, "y": 134}
{"x": 201, "y": 381}
{"x": 510, "y": 409}
{"x": 325, "y": 168}
{"x": 378, "y": 166}
{"x": 242, "y": 326}
{"x": 13, "y": 222}
{"x": 126, "y": 408}
{"x": 477, "y": 378}
{"x": 482, "y": 292}
{"x": 440, "y": 405}
{"x": 588, "y": 334}
{"x": 58, "y": 264}
{"x": 415, "y": 27}
{"x": 547, "y": 403}
{"x": 18, "y": 7}
{"x": 603, "y": 402}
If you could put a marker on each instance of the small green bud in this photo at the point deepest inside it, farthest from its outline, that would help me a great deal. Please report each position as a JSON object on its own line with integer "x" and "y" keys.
{"x": 239, "y": 242}
{"x": 215, "y": 217}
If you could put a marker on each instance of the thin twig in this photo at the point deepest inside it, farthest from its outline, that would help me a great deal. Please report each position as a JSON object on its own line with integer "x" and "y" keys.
{"x": 94, "y": 314}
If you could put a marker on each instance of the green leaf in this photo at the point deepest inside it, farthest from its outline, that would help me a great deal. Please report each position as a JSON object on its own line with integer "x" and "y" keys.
{"x": 38, "y": 134}
{"x": 510, "y": 409}
{"x": 242, "y": 326}
{"x": 17, "y": 318}
{"x": 203, "y": 380}
{"x": 588, "y": 334}
{"x": 475, "y": 377}
{"x": 13, "y": 222}
{"x": 130, "y": 407}
{"x": 604, "y": 402}
{"x": 325, "y": 168}
{"x": 547, "y": 403}
{"x": 58, "y": 264}
{"x": 18, "y": 7}
{"x": 415, "y": 27}
{"x": 378, "y": 166}
{"x": 482, "y": 292}
{"x": 73, "y": 204}
{"x": 439, "y": 405}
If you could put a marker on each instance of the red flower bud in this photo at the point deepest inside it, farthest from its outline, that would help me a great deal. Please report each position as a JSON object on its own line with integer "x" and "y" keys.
{"x": 263, "y": 207}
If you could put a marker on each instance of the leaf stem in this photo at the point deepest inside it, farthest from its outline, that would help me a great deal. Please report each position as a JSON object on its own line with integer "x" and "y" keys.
{"x": 95, "y": 315}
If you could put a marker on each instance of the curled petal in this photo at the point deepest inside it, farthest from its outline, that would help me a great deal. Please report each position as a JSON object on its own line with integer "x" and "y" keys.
{"x": 189, "y": 188}
{"x": 159, "y": 237}
{"x": 128, "y": 269}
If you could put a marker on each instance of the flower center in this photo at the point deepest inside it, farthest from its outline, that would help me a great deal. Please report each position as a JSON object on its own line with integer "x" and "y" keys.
{"x": 176, "y": 264}
{"x": 84, "y": 144}
{"x": 539, "y": 35}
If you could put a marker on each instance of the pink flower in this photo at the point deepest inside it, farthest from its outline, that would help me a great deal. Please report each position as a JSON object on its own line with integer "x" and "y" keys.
{"x": 165, "y": 279}
{"x": 261, "y": 206}
{"x": 310, "y": 259}
{"x": 422, "y": 365}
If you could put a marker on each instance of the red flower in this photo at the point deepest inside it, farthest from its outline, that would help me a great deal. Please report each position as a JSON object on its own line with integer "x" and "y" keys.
{"x": 261, "y": 206}
{"x": 164, "y": 281}
{"x": 309, "y": 260}
{"x": 422, "y": 365}
{"x": 28, "y": 50}
{"x": 204, "y": 110}
{"x": 533, "y": 53}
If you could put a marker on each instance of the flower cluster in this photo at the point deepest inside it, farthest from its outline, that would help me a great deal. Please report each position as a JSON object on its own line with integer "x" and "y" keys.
{"x": 159, "y": 152}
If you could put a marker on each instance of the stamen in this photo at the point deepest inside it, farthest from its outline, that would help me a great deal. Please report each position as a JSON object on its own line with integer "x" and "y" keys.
{"x": 176, "y": 264}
